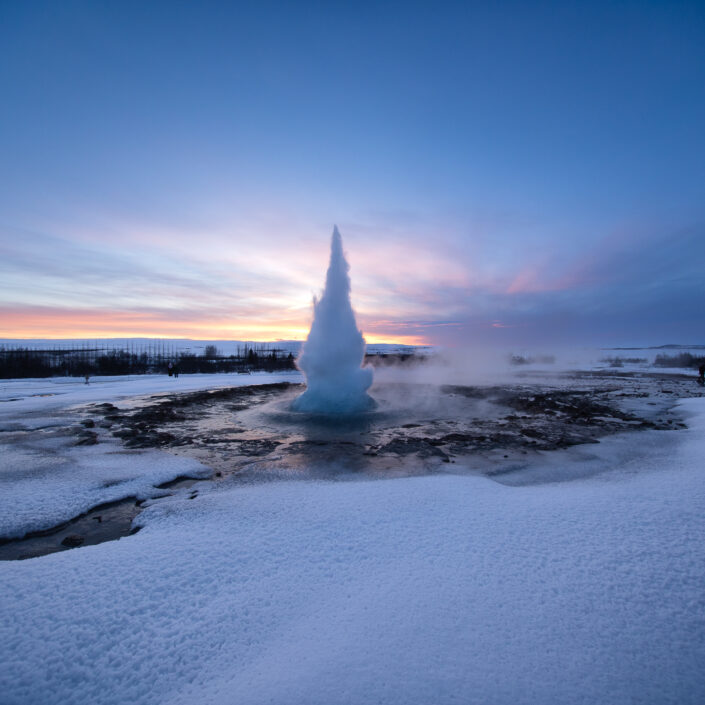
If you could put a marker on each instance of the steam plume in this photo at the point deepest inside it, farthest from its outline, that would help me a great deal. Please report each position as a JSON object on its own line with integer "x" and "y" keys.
{"x": 333, "y": 353}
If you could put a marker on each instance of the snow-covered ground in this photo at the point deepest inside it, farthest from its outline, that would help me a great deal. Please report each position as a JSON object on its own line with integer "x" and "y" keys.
{"x": 45, "y": 479}
{"x": 51, "y": 393}
{"x": 441, "y": 589}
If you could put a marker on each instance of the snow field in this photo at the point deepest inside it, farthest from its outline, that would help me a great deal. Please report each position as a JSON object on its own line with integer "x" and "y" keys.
{"x": 425, "y": 590}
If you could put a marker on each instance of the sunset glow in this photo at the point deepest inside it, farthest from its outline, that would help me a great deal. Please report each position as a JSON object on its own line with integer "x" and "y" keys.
{"x": 162, "y": 193}
{"x": 55, "y": 323}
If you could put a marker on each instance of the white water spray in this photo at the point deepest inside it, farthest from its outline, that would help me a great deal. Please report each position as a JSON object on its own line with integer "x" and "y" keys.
{"x": 334, "y": 350}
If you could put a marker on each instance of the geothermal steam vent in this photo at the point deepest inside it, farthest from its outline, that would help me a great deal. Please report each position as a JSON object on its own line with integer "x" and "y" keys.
{"x": 333, "y": 352}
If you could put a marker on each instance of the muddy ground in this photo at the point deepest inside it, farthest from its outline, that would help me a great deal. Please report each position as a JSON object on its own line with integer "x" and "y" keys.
{"x": 248, "y": 434}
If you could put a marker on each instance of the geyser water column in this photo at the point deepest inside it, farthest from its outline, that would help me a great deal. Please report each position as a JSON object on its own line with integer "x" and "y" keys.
{"x": 331, "y": 359}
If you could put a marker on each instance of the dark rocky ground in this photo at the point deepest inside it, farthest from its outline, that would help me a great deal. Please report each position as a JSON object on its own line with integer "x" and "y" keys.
{"x": 230, "y": 428}
{"x": 247, "y": 434}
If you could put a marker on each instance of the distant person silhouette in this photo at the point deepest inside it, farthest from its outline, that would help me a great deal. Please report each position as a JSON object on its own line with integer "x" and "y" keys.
{"x": 701, "y": 374}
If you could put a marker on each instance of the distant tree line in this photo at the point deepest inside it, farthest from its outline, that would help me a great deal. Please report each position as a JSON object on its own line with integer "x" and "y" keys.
{"x": 394, "y": 359}
{"x": 617, "y": 361}
{"x": 683, "y": 359}
{"x": 528, "y": 360}
{"x": 152, "y": 358}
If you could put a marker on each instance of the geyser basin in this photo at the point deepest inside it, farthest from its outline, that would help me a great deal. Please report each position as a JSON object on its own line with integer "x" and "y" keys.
{"x": 250, "y": 432}
{"x": 331, "y": 360}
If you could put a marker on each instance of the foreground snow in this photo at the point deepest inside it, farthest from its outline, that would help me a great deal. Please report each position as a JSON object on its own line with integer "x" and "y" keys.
{"x": 419, "y": 590}
{"x": 42, "y": 486}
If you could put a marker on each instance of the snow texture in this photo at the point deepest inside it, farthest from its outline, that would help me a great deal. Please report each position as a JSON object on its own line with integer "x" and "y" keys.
{"x": 46, "y": 480}
{"x": 48, "y": 483}
{"x": 443, "y": 589}
{"x": 333, "y": 353}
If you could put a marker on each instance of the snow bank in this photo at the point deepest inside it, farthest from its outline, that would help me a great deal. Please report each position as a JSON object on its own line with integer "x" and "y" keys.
{"x": 419, "y": 590}
{"x": 45, "y": 481}
{"x": 42, "y": 487}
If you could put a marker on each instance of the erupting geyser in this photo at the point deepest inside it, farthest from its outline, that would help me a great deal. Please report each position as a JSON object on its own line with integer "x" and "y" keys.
{"x": 333, "y": 353}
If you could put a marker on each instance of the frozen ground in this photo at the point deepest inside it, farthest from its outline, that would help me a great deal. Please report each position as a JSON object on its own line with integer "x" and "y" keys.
{"x": 46, "y": 479}
{"x": 22, "y": 396}
{"x": 438, "y": 589}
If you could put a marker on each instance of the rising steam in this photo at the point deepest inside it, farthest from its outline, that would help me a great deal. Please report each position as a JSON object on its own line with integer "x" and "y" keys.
{"x": 333, "y": 353}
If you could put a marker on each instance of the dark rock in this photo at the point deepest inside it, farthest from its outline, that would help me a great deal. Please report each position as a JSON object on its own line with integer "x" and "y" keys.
{"x": 160, "y": 413}
{"x": 423, "y": 447}
{"x": 126, "y": 433}
{"x": 72, "y": 541}
{"x": 87, "y": 438}
{"x": 460, "y": 438}
{"x": 106, "y": 408}
{"x": 258, "y": 446}
{"x": 88, "y": 423}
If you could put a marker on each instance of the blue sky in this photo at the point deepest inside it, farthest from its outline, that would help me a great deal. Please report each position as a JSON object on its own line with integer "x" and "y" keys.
{"x": 500, "y": 172}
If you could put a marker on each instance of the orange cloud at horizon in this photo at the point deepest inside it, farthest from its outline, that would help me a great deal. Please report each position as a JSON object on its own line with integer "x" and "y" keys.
{"x": 44, "y": 322}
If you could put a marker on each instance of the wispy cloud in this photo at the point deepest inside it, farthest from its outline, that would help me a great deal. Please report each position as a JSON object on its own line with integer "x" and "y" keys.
{"x": 409, "y": 286}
